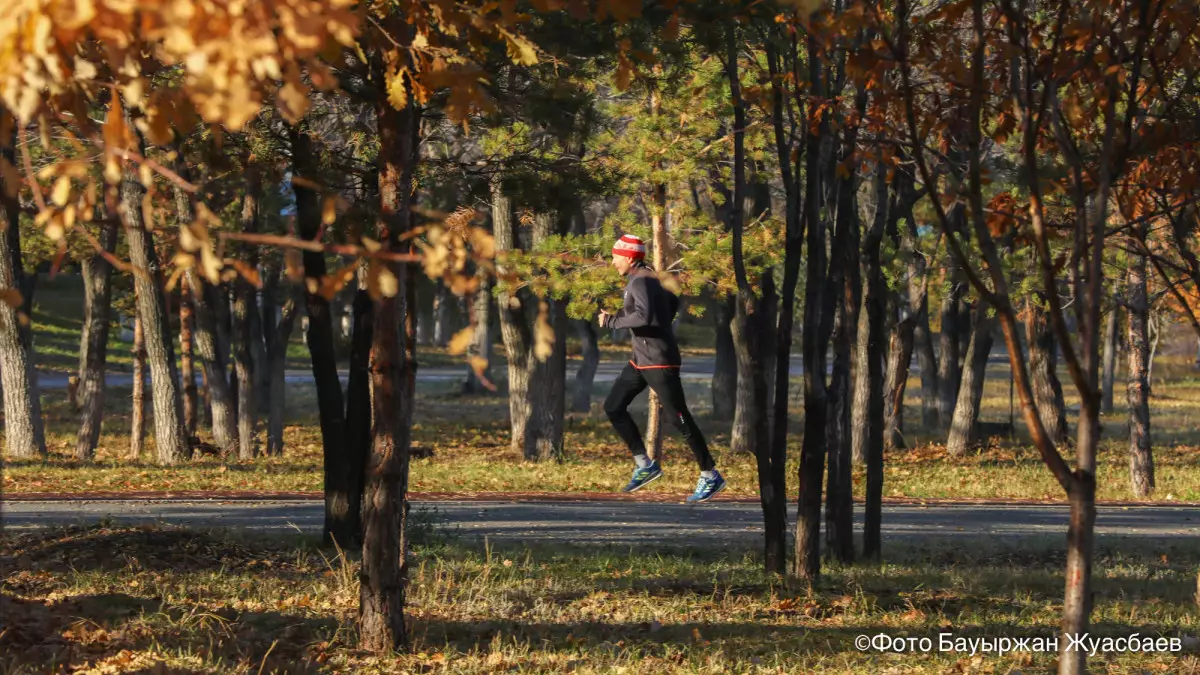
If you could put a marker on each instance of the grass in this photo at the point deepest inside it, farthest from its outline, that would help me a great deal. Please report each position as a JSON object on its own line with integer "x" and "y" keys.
{"x": 469, "y": 439}
{"x": 122, "y": 599}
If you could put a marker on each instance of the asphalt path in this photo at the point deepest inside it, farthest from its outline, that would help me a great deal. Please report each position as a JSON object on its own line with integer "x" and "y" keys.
{"x": 694, "y": 368}
{"x": 611, "y": 522}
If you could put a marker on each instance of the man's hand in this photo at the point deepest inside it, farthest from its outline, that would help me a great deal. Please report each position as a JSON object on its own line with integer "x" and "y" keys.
{"x": 605, "y": 318}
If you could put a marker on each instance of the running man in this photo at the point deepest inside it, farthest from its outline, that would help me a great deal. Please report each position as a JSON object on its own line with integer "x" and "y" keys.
{"x": 649, "y": 312}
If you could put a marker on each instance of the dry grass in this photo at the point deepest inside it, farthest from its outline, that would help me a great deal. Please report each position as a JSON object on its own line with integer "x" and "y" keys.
{"x": 147, "y": 600}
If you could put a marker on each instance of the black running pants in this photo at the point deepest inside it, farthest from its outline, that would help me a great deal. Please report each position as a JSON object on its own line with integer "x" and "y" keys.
{"x": 666, "y": 383}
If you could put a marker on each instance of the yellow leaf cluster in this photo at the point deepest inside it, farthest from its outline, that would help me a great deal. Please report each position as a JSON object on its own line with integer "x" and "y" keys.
{"x": 231, "y": 52}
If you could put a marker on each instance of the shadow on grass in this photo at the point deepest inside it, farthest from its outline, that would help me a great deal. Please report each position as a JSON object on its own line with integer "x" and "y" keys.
{"x": 113, "y": 628}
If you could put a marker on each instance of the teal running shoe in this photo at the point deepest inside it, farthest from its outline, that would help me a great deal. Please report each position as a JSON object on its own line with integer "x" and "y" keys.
{"x": 643, "y": 477}
{"x": 706, "y": 489}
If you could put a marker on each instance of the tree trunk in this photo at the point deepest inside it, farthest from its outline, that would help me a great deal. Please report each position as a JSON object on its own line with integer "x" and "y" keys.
{"x": 964, "y": 425}
{"x": 544, "y": 432}
{"x": 818, "y": 301}
{"x": 900, "y": 352}
{"x": 948, "y": 349}
{"x": 276, "y": 336}
{"x": 245, "y": 307}
{"x": 137, "y": 424}
{"x": 928, "y": 363}
{"x": 660, "y": 243}
{"x": 513, "y": 325}
{"x": 1043, "y": 366}
{"x": 585, "y": 377}
{"x": 358, "y": 390}
{"x": 1111, "y": 355}
{"x": 23, "y": 431}
{"x": 724, "y": 379}
{"x": 1141, "y": 461}
{"x": 169, "y": 436}
{"x": 93, "y": 353}
{"x": 341, "y": 509}
{"x": 875, "y": 308}
{"x": 187, "y": 366}
{"x": 441, "y": 316}
{"x": 481, "y": 341}
{"x": 384, "y": 575}
{"x": 860, "y": 393}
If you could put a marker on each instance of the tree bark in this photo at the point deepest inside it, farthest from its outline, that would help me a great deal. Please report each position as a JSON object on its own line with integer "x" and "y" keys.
{"x": 818, "y": 303}
{"x": 875, "y": 308}
{"x": 245, "y": 306}
{"x": 585, "y": 377}
{"x": 514, "y": 329}
{"x": 481, "y": 340}
{"x": 1141, "y": 460}
{"x": 384, "y": 575}
{"x": 859, "y": 393}
{"x": 342, "y": 510}
{"x": 24, "y": 434}
{"x": 948, "y": 362}
{"x": 544, "y": 432}
{"x": 358, "y": 390}
{"x": 170, "y": 438}
{"x": 93, "y": 353}
{"x": 276, "y": 336}
{"x": 1111, "y": 356}
{"x": 928, "y": 363}
{"x": 1043, "y": 366}
{"x": 658, "y": 229}
{"x": 964, "y": 425}
{"x": 187, "y": 366}
{"x": 137, "y": 424}
{"x": 724, "y": 379}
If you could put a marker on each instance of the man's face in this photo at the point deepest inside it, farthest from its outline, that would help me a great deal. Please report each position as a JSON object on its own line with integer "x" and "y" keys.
{"x": 622, "y": 263}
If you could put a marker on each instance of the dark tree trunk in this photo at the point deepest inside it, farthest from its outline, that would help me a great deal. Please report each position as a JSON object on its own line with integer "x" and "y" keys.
{"x": 818, "y": 303}
{"x": 358, "y": 390}
{"x": 773, "y": 489}
{"x": 927, "y": 362}
{"x": 965, "y": 422}
{"x": 585, "y": 377}
{"x": 187, "y": 368}
{"x": 875, "y": 308}
{"x": 724, "y": 379}
{"x": 137, "y": 424}
{"x": 948, "y": 348}
{"x": 384, "y": 576}
{"x": 170, "y": 438}
{"x": 341, "y": 508}
{"x": 93, "y": 353}
{"x": 1141, "y": 461}
{"x": 1043, "y": 366}
{"x": 1111, "y": 356}
{"x": 276, "y": 336}
{"x": 909, "y": 304}
{"x": 23, "y": 431}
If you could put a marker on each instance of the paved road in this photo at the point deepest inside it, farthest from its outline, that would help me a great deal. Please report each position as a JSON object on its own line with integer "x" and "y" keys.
{"x": 612, "y": 522}
{"x": 694, "y": 368}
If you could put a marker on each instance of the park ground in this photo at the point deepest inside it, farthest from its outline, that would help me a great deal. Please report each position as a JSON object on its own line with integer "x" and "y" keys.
{"x": 469, "y": 439}
{"x": 160, "y": 599}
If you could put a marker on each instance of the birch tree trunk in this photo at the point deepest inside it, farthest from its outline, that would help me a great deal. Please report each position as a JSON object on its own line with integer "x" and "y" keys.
{"x": 97, "y": 305}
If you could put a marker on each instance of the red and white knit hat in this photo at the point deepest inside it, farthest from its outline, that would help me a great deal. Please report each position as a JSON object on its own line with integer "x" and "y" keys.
{"x": 630, "y": 246}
